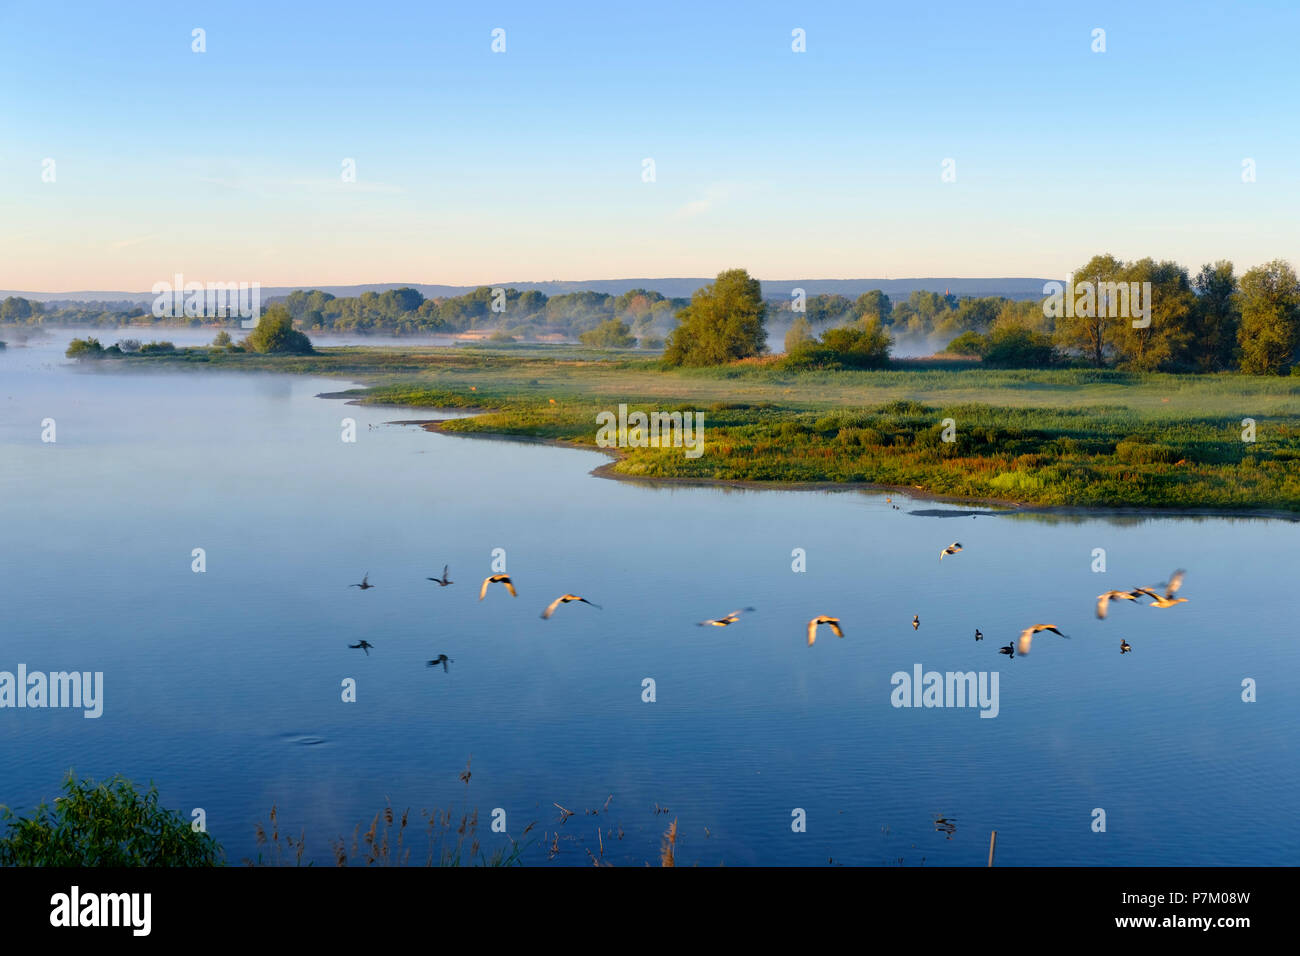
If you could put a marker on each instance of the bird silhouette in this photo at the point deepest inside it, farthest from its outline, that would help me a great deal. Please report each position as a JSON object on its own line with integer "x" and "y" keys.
{"x": 564, "y": 599}
{"x": 442, "y": 659}
{"x": 497, "y": 579}
{"x": 1009, "y": 650}
{"x": 363, "y": 646}
{"x": 731, "y": 618}
{"x": 916, "y": 622}
{"x": 443, "y": 581}
{"x": 365, "y": 582}
{"x": 1027, "y": 637}
{"x": 1124, "y": 646}
{"x": 978, "y": 635}
{"x": 834, "y": 622}
{"x": 951, "y": 549}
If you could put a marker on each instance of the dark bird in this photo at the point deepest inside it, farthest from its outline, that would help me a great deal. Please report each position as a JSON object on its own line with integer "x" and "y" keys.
{"x": 731, "y": 618}
{"x": 497, "y": 579}
{"x": 916, "y": 622}
{"x": 978, "y": 635}
{"x": 443, "y": 581}
{"x": 1009, "y": 650}
{"x": 442, "y": 659}
{"x": 1124, "y": 647}
{"x": 834, "y": 622}
{"x": 1027, "y": 637}
{"x": 363, "y": 646}
{"x": 951, "y": 549}
{"x": 564, "y": 599}
{"x": 365, "y": 582}
{"x": 1103, "y": 600}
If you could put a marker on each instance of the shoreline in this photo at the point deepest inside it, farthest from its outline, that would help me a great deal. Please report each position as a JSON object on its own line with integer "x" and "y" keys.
{"x": 1005, "y": 507}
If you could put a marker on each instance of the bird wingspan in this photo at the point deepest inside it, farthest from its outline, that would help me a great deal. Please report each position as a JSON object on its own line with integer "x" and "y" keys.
{"x": 482, "y": 592}
{"x": 550, "y": 608}
{"x": 510, "y": 587}
{"x": 1175, "y": 582}
{"x": 812, "y": 631}
{"x": 835, "y": 628}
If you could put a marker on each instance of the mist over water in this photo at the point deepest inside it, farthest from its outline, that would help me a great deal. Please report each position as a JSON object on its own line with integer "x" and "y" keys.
{"x": 224, "y": 687}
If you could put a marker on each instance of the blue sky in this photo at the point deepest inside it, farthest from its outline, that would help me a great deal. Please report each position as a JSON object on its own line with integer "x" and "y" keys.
{"x": 481, "y": 167}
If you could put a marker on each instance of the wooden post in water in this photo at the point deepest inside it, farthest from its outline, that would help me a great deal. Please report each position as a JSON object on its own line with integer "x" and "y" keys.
{"x": 993, "y": 841}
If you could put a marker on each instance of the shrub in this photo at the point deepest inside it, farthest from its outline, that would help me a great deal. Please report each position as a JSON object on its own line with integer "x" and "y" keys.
{"x": 104, "y": 824}
{"x": 84, "y": 348}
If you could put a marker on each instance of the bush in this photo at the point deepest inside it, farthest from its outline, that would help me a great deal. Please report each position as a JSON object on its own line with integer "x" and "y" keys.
{"x": 968, "y": 343}
{"x": 84, "y": 348}
{"x": 157, "y": 348}
{"x": 1135, "y": 452}
{"x": 1016, "y": 347}
{"x": 223, "y": 340}
{"x": 104, "y": 824}
{"x": 610, "y": 334}
{"x": 275, "y": 334}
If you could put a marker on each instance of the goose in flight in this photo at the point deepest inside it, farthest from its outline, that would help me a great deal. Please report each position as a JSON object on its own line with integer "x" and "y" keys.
{"x": 1124, "y": 646}
{"x": 1167, "y": 599}
{"x": 1027, "y": 637}
{"x": 443, "y": 581}
{"x": 1103, "y": 600}
{"x": 497, "y": 579}
{"x": 442, "y": 659}
{"x": 564, "y": 599}
{"x": 834, "y": 622}
{"x": 731, "y": 618}
{"x": 951, "y": 549}
{"x": 916, "y": 622}
{"x": 363, "y": 646}
{"x": 365, "y": 582}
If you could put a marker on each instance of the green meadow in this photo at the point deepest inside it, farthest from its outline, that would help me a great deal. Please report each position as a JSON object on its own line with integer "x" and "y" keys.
{"x": 1054, "y": 437}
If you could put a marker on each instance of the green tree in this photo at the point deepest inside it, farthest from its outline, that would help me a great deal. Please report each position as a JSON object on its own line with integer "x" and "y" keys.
{"x": 104, "y": 824}
{"x": 1270, "y": 318}
{"x": 723, "y": 322}
{"x": 84, "y": 348}
{"x": 800, "y": 332}
{"x": 275, "y": 334}
{"x": 1164, "y": 342}
{"x": 968, "y": 343}
{"x": 1215, "y": 319}
{"x": 873, "y": 305}
{"x": 1013, "y": 346}
{"x": 1093, "y": 335}
{"x": 610, "y": 334}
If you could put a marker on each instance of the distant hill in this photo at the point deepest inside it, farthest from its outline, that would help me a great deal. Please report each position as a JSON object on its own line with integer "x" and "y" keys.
{"x": 1012, "y": 288}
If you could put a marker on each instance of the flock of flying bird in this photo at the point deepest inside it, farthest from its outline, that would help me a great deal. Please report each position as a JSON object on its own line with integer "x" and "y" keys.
{"x": 1160, "y": 598}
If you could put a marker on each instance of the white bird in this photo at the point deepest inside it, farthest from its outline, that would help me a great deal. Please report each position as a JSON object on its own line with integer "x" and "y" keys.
{"x": 834, "y": 622}
{"x": 1027, "y": 637}
{"x": 497, "y": 579}
{"x": 951, "y": 549}
{"x": 564, "y": 599}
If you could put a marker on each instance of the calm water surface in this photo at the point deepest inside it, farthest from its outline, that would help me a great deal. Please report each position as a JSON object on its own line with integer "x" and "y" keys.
{"x": 225, "y": 687}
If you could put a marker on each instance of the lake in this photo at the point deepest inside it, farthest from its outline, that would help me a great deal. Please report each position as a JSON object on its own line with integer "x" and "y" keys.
{"x": 225, "y": 687}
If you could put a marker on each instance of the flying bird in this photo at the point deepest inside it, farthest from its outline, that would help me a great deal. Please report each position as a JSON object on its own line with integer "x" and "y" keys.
{"x": 834, "y": 622}
{"x": 1103, "y": 600}
{"x": 916, "y": 622}
{"x": 1027, "y": 637}
{"x": 1167, "y": 599}
{"x": 497, "y": 579}
{"x": 442, "y": 659}
{"x": 363, "y": 646}
{"x": 443, "y": 581}
{"x": 365, "y": 582}
{"x": 951, "y": 549}
{"x": 564, "y": 599}
{"x": 1124, "y": 646}
{"x": 731, "y": 618}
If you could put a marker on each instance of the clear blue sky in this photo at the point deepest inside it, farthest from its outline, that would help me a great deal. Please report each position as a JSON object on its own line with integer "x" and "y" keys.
{"x": 482, "y": 167}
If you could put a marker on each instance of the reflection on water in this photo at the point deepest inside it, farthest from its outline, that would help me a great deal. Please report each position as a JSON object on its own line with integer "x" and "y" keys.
{"x": 226, "y": 687}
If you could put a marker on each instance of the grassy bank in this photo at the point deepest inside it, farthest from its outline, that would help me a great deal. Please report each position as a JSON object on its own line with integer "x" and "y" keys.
{"x": 1068, "y": 437}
